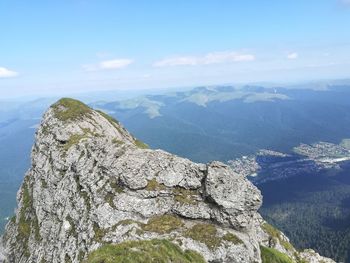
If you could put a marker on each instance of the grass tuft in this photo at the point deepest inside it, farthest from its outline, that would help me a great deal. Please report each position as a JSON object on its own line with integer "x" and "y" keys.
{"x": 141, "y": 144}
{"x": 153, "y": 185}
{"x": 185, "y": 196}
{"x": 146, "y": 251}
{"x": 276, "y": 235}
{"x": 204, "y": 233}
{"x": 70, "y": 109}
{"x": 163, "y": 224}
{"x": 229, "y": 237}
{"x": 271, "y": 255}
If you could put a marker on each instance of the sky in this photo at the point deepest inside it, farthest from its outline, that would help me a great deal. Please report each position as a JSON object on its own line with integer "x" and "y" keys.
{"x": 56, "y": 47}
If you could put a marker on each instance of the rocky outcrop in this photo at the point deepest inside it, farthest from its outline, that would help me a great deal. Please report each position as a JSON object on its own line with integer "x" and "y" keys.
{"x": 92, "y": 183}
{"x": 310, "y": 256}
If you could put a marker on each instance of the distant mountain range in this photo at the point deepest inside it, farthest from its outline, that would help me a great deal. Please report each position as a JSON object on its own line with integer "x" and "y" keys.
{"x": 222, "y": 123}
{"x": 225, "y": 122}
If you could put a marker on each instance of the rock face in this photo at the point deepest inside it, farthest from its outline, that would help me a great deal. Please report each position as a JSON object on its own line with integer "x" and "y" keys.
{"x": 92, "y": 183}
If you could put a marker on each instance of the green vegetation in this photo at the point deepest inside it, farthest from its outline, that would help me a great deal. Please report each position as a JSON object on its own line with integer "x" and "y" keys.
{"x": 313, "y": 211}
{"x": 72, "y": 231}
{"x": 117, "y": 187}
{"x": 45, "y": 129}
{"x": 43, "y": 183}
{"x": 204, "y": 233}
{"x": 153, "y": 185}
{"x": 99, "y": 232}
{"x": 13, "y": 219}
{"x": 271, "y": 255}
{"x": 116, "y": 141}
{"x": 70, "y": 109}
{"x": 163, "y": 224}
{"x": 24, "y": 226}
{"x": 114, "y": 122}
{"x": 28, "y": 221}
{"x": 149, "y": 251}
{"x": 83, "y": 194}
{"x": 74, "y": 139}
{"x": 108, "y": 118}
{"x": 35, "y": 225}
{"x": 276, "y": 235}
{"x": 118, "y": 126}
{"x": 126, "y": 222}
{"x": 81, "y": 256}
{"x": 67, "y": 259}
{"x": 229, "y": 237}
{"x": 141, "y": 144}
{"x": 109, "y": 197}
{"x": 185, "y": 196}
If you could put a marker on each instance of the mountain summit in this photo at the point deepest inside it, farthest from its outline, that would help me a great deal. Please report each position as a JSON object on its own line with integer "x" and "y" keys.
{"x": 94, "y": 193}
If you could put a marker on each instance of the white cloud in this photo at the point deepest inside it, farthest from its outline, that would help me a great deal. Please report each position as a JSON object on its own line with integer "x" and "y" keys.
{"x": 115, "y": 64}
{"x": 6, "y": 73}
{"x": 293, "y": 55}
{"x": 210, "y": 58}
{"x": 224, "y": 57}
{"x": 108, "y": 64}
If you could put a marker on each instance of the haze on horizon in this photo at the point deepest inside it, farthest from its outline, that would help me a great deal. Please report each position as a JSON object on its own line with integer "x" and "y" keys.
{"x": 79, "y": 46}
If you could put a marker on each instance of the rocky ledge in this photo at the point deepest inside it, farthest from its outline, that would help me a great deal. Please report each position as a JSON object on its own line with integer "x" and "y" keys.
{"x": 94, "y": 193}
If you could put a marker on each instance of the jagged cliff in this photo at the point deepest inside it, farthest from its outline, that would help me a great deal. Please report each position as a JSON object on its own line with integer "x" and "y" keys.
{"x": 95, "y": 193}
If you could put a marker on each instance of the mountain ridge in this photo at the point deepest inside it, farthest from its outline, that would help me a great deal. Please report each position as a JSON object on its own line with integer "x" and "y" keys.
{"x": 92, "y": 183}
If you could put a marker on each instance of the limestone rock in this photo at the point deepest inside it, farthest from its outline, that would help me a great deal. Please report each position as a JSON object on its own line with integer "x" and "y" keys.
{"x": 311, "y": 256}
{"x": 91, "y": 183}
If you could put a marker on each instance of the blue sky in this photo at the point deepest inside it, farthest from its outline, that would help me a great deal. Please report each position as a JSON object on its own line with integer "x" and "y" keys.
{"x": 55, "y": 47}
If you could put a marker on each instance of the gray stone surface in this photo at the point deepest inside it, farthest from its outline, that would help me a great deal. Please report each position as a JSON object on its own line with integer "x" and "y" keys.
{"x": 89, "y": 183}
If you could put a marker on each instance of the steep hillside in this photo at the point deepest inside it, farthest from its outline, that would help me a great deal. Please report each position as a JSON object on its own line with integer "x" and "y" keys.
{"x": 94, "y": 193}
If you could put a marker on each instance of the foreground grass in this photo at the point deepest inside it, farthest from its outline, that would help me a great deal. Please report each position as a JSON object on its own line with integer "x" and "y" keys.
{"x": 271, "y": 255}
{"x": 149, "y": 251}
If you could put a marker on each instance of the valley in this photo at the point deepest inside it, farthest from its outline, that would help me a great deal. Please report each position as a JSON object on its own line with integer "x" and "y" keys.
{"x": 303, "y": 175}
